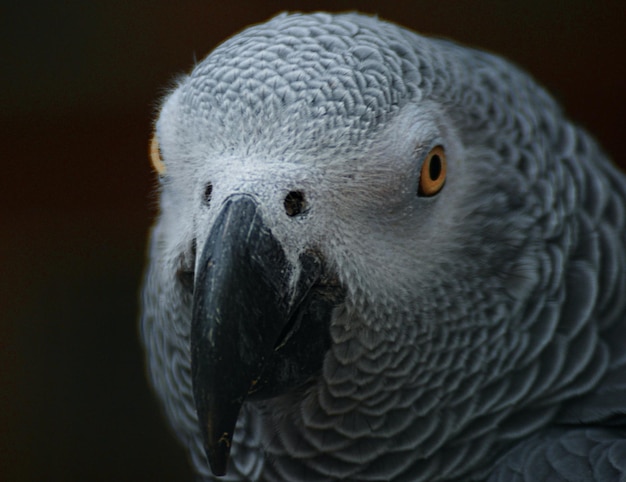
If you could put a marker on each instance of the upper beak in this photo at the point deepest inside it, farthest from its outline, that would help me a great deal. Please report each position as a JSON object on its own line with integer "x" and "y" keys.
{"x": 255, "y": 325}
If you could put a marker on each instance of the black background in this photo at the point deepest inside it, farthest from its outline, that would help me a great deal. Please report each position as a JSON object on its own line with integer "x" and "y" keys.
{"x": 79, "y": 86}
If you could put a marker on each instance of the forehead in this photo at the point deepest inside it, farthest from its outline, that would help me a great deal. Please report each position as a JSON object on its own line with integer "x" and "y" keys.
{"x": 303, "y": 75}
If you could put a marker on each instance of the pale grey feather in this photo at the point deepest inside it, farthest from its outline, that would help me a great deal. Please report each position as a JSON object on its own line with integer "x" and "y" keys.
{"x": 472, "y": 320}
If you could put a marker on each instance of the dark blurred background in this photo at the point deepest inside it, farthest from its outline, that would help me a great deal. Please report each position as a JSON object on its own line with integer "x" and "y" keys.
{"x": 77, "y": 97}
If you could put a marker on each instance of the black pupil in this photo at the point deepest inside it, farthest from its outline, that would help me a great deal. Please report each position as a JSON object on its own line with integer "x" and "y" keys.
{"x": 434, "y": 168}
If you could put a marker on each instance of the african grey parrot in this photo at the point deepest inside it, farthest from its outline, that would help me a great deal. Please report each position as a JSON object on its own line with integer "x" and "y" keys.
{"x": 381, "y": 256}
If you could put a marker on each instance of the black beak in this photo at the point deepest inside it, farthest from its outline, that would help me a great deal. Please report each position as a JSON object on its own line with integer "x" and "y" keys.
{"x": 260, "y": 323}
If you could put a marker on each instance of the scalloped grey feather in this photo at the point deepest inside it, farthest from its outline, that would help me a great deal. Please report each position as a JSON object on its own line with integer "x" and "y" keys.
{"x": 483, "y": 331}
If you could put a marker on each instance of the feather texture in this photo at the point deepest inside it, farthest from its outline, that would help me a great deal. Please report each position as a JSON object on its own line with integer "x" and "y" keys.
{"x": 483, "y": 333}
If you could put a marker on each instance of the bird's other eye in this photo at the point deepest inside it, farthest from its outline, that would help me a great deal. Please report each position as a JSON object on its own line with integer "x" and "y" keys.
{"x": 433, "y": 173}
{"x": 155, "y": 156}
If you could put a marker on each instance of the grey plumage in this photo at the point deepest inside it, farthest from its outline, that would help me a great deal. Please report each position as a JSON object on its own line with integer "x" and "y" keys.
{"x": 481, "y": 332}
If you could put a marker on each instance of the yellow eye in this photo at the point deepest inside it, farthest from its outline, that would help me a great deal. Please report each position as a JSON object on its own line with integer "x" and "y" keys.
{"x": 155, "y": 156}
{"x": 433, "y": 174}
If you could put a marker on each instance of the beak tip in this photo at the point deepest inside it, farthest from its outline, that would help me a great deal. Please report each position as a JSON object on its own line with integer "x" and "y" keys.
{"x": 219, "y": 454}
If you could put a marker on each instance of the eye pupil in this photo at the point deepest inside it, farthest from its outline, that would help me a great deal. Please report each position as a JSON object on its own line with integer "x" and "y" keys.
{"x": 433, "y": 172}
{"x": 434, "y": 168}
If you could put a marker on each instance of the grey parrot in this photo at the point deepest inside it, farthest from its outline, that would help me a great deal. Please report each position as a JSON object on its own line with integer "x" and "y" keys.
{"x": 381, "y": 256}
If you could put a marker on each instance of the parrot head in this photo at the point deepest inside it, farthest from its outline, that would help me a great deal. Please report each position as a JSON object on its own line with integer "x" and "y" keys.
{"x": 352, "y": 216}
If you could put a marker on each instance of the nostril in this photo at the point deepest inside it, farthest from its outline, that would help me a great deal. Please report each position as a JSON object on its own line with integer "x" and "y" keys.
{"x": 208, "y": 193}
{"x": 294, "y": 203}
